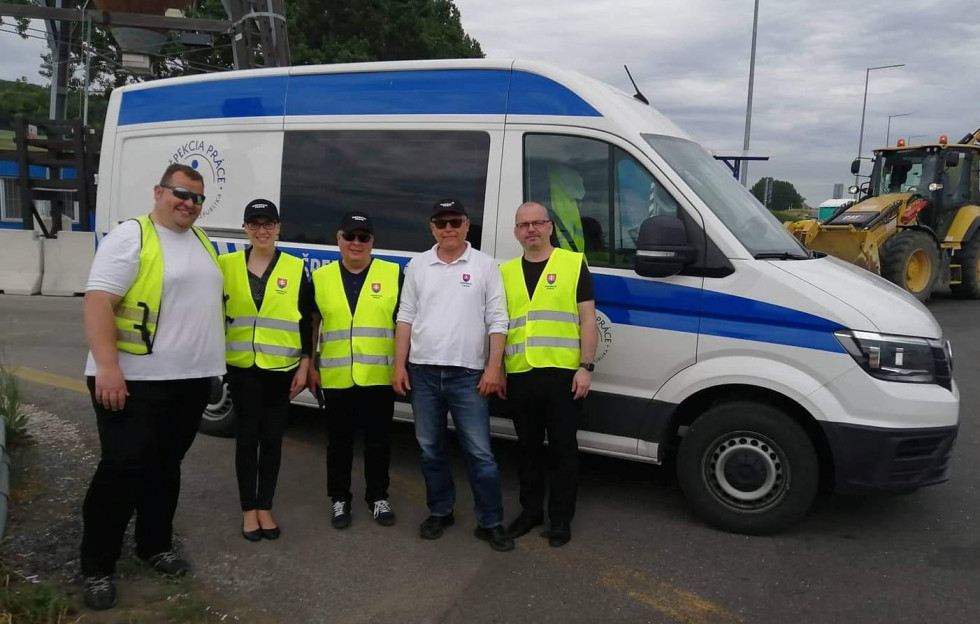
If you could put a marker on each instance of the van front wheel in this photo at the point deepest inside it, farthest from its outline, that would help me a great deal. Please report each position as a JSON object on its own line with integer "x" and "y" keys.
{"x": 747, "y": 467}
{"x": 219, "y": 418}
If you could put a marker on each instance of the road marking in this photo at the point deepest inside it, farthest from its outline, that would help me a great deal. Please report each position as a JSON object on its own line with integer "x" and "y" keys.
{"x": 50, "y": 379}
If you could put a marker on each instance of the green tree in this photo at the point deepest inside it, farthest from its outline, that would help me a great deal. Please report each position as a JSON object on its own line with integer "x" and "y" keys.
{"x": 784, "y": 195}
{"x": 319, "y": 31}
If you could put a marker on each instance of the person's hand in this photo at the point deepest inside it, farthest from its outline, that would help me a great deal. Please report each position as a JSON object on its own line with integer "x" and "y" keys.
{"x": 492, "y": 381}
{"x": 399, "y": 381}
{"x": 581, "y": 383}
{"x": 110, "y": 388}
{"x": 313, "y": 381}
{"x": 299, "y": 378}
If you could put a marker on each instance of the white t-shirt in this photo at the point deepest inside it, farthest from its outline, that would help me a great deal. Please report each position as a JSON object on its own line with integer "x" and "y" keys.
{"x": 190, "y": 336}
{"x": 452, "y": 308}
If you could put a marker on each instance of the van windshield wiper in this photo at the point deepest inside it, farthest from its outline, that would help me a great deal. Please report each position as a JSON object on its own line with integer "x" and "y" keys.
{"x": 781, "y": 255}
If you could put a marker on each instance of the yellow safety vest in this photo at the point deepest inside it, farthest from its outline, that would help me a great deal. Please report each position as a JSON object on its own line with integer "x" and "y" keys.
{"x": 268, "y": 338}
{"x": 360, "y": 349}
{"x": 568, "y": 221}
{"x": 138, "y": 313}
{"x": 544, "y": 331}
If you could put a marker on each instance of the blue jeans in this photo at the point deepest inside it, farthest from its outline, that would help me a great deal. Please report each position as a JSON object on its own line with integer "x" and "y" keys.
{"x": 437, "y": 390}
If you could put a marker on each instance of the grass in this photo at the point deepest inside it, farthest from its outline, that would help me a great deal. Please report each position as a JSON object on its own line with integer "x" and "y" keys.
{"x": 23, "y": 602}
{"x": 11, "y": 409}
{"x": 789, "y": 215}
{"x": 7, "y": 142}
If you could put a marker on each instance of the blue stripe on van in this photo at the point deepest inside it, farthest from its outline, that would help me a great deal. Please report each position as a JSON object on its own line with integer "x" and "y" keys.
{"x": 677, "y": 308}
{"x": 682, "y": 308}
{"x": 422, "y": 92}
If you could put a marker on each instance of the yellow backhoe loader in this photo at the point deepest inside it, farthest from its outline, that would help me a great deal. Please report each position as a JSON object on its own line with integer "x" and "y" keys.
{"x": 918, "y": 219}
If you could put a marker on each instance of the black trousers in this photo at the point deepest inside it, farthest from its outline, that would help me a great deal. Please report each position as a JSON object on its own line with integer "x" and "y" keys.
{"x": 142, "y": 448}
{"x": 261, "y": 399}
{"x": 371, "y": 408}
{"x": 540, "y": 402}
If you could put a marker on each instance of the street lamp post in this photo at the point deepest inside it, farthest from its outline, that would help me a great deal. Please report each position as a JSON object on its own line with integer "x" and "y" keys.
{"x": 744, "y": 174}
{"x": 888, "y": 130}
{"x": 908, "y": 139}
{"x": 864, "y": 107}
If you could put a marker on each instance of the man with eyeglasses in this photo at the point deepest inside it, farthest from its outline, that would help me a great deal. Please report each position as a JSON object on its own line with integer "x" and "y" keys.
{"x": 155, "y": 329}
{"x": 452, "y": 300}
{"x": 548, "y": 358}
{"x": 356, "y": 299}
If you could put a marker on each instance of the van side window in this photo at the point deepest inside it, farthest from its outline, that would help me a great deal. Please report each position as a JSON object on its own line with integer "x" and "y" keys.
{"x": 395, "y": 176}
{"x": 596, "y": 193}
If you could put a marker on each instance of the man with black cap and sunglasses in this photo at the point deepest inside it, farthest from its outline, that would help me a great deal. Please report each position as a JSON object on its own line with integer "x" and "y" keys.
{"x": 154, "y": 325}
{"x": 356, "y": 298}
{"x": 452, "y": 301}
{"x": 268, "y": 318}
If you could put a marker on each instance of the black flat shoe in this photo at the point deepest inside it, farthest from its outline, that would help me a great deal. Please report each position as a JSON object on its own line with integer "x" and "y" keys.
{"x": 271, "y": 534}
{"x": 252, "y": 536}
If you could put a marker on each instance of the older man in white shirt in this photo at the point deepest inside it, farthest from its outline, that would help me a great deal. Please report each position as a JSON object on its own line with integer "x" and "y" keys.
{"x": 452, "y": 299}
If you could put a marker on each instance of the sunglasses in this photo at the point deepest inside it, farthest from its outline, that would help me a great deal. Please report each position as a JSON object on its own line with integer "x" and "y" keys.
{"x": 362, "y": 237}
{"x": 182, "y": 194}
{"x": 263, "y": 225}
{"x": 456, "y": 223}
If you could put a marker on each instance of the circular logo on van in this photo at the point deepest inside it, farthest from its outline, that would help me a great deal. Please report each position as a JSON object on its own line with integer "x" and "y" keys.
{"x": 204, "y": 158}
{"x": 605, "y": 328}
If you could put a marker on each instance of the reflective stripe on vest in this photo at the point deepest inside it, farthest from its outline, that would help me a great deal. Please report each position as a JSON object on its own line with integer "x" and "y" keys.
{"x": 543, "y": 331}
{"x": 138, "y": 314}
{"x": 268, "y": 338}
{"x": 360, "y": 349}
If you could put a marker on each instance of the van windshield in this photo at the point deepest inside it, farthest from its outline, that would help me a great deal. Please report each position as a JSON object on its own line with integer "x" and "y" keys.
{"x": 752, "y": 223}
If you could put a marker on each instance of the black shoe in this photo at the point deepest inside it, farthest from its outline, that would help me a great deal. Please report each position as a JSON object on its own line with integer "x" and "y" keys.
{"x": 432, "y": 527}
{"x": 496, "y": 537}
{"x": 271, "y": 534}
{"x": 559, "y": 534}
{"x": 341, "y": 515}
{"x": 100, "y": 593}
{"x": 168, "y": 564}
{"x": 252, "y": 536}
{"x": 382, "y": 512}
{"x": 523, "y": 524}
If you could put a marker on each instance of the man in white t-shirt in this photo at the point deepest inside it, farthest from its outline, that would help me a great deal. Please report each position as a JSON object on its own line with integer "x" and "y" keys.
{"x": 451, "y": 301}
{"x": 154, "y": 322}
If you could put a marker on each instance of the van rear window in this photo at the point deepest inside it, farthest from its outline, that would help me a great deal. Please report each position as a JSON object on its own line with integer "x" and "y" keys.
{"x": 394, "y": 176}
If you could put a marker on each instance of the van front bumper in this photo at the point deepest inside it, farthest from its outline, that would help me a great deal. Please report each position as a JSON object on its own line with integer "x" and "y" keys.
{"x": 891, "y": 460}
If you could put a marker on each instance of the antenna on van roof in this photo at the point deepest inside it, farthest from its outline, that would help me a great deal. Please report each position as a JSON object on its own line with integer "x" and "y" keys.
{"x": 637, "y": 95}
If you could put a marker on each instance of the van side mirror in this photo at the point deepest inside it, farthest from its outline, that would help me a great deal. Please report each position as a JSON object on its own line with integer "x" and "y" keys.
{"x": 856, "y": 166}
{"x": 662, "y": 248}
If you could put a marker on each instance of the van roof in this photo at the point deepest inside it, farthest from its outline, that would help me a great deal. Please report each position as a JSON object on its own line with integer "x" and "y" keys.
{"x": 486, "y": 87}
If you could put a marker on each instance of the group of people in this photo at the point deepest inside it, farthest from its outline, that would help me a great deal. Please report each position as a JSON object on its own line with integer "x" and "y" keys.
{"x": 164, "y": 315}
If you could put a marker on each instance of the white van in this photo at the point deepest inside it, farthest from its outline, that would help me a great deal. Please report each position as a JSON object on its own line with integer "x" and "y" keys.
{"x": 763, "y": 370}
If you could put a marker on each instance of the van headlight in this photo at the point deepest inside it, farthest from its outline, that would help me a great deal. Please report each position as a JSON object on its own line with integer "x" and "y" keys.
{"x": 899, "y": 358}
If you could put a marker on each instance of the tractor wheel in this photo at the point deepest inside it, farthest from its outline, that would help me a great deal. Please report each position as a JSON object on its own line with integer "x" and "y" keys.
{"x": 911, "y": 260}
{"x": 969, "y": 257}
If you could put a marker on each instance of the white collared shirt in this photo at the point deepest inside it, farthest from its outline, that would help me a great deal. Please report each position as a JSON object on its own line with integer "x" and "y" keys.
{"x": 452, "y": 308}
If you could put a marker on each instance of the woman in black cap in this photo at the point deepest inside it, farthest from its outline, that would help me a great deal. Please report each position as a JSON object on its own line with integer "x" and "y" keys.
{"x": 268, "y": 343}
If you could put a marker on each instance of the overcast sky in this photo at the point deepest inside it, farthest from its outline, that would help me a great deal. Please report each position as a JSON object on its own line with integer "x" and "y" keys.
{"x": 691, "y": 59}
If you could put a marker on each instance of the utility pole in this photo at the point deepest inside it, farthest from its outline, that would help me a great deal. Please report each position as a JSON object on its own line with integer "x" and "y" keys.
{"x": 258, "y": 25}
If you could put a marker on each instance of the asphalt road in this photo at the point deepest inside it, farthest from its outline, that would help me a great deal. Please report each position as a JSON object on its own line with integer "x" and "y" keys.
{"x": 637, "y": 555}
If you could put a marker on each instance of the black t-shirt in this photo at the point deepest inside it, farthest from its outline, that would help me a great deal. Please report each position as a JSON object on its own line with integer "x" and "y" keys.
{"x": 307, "y": 304}
{"x": 533, "y": 270}
{"x": 353, "y": 282}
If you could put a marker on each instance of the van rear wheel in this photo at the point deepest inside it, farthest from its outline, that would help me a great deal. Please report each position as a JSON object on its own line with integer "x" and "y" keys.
{"x": 219, "y": 418}
{"x": 748, "y": 467}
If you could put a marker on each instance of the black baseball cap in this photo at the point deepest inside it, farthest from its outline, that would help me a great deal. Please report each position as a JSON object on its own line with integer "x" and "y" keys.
{"x": 356, "y": 221}
{"x": 261, "y": 208}
{"x": 446, "y": 206}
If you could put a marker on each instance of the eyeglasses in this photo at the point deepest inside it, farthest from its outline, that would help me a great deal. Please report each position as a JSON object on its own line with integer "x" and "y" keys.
{"x": 363, "y": 237}
{"x": 182, "y": 194}
{"x": 263, "y": 225}
{"x": 441, "y": 224}
{"x": 523, "y": 225}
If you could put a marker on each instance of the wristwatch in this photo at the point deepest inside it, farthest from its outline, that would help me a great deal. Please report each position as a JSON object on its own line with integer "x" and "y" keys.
{"x": 589, "y": 366}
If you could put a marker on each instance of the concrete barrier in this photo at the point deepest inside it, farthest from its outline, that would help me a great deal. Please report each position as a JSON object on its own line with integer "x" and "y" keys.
{"x": 67, "y": 260}
{"x": 21, "y": 262}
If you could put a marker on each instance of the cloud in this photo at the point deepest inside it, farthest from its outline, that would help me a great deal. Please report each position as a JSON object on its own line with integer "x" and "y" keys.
{"x": 21, "y": 57}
